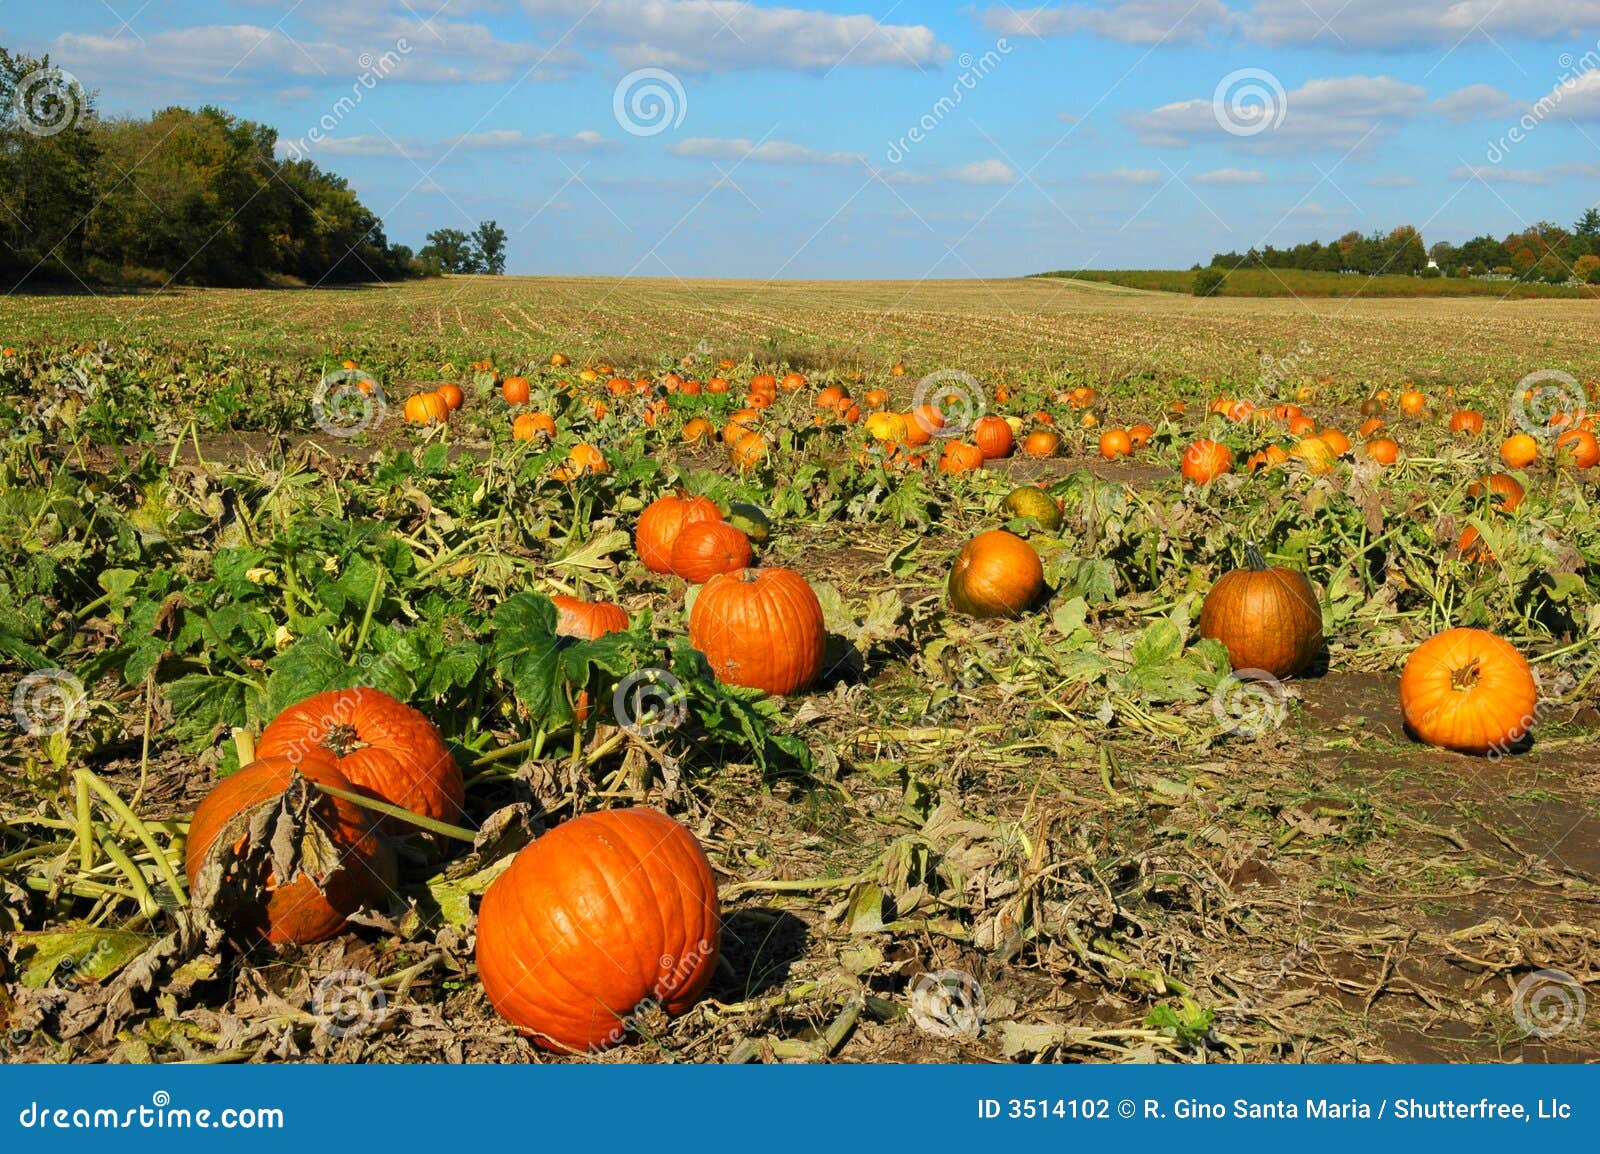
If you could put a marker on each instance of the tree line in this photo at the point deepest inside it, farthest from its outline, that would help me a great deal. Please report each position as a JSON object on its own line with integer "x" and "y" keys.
{"x": 1542, "y": 252}
{"x": 184, "y": 195}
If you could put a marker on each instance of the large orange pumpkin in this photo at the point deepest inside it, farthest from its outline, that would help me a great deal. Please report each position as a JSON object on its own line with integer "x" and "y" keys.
{"x": 1268, "y": 618}
{"x": 1468, "y": 690}
{"x": 587, "y": 619}
{"x": 996, "y": 574}
{"x": 382, "y": 745}
{"x": 993, "y": 437}
{"x": 760, "y": 628}
{"x": 662, "y": 521}
{"x": 1042, "y": 443}
{"x": 1519, "y": 451}
{"x": 707, "y": 548}
{"x": 516, "y": 390}
{"x": 326, "y": 888}
{"x": 960, "y": 457}
{"x": 1204, "y": 461}
{"x": 426, "y": 409}
{"x": 604, "y": 915}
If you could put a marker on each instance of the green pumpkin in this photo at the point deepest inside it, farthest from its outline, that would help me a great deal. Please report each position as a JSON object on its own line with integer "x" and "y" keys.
{"x": 750, "y": 521}
{"x": 1031, "y": 503}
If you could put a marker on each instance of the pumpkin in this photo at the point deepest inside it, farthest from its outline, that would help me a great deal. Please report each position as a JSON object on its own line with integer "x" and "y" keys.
{"x": 1472, "y": 547}
{"x": 585, "y": 458}
{"x": 1519, "y": 451}
{"x": 697, "y": 431}
{"x": 587, "y": 619}
{"x": 1302, "y": 426}
{"x": 1383, "y": 450}
{"x": 327, "y": 887}
{"x": 604, "y": 914}
{"x": 717, "y": 385}
{"x": 1372, "y": 406}
{"x": 1315, "y": 453}
{"x": 1139, "y": 434}
{"x": 1505, "y": 492}
{"x": 1042, "y": 443}
{"x": 661, "y": 523}
{"x": 751, "y": 520}
{"x": 792, "y": 382}
{"x": 707, "y": 548}
{"x": 516, "y": 390}
{"x": 426, "y": 409}
{"x": 1337, "y": 441}
{"x": 560, "y": 360}
{"x": 887, "y": 428}
{"x": 996, "y": 574}
{"x": 875, "y": 399}
{"x": 1268, "y": 618}
{"x": 830, "y": 397}
{"x": 921, "y": 424}
{"x": 747, "y": 451}
{"x": 1115, "y": 443}
{"x": 993, "y": 437}
{"x": 898, "y": 369}
{"x": 960, "y": 457}
{"x": 1029, "y": 502}
{"x": 1579, "y": 448}
{"x": 1205, "y": 460}
{"x": 380, "y": 744}
{"x": 451, "y": 395}
{"x": 1370, "y": 426}
{"x": 1468, "y": 690}
{"x": 1412, "y": 403}
{"x": 1468, "y": 421}
{"x": 760, "y": 628}
{"x": 528, "y": 426}
{"x": 764, "y": 383}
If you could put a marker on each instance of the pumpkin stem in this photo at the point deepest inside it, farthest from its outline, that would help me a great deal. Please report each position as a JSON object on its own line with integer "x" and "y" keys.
{"x": 343, "y": 740}
{"x": 1465, "y": 677}
{"x": 1253, "y": 557}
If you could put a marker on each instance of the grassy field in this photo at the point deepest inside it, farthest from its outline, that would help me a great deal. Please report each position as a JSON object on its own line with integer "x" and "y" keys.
{"x": 1275, "y": 282}
{"x": 1109, "y": 850}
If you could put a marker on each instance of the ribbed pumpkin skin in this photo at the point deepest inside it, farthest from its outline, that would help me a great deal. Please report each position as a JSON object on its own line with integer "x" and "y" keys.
{"x": 302, "y": 911}
{"x": 380, "y": 744}
{"x": 993, "y": 437}
{"x": 587, "y": 619}
{"x": 1032, "y": 501}
{"x": 760, "y": 628}
{"x": 1268, "y": 618}
{"x": 662, "y": 521}
{"x": 603, "y": 913}
{"x": 707, "y": 548}
{"x": 997, "y": 574}
{"x": 1468, "y": 690}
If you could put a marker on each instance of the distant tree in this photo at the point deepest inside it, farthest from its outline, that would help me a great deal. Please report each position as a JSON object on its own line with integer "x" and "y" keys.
{"x": 1588, "y": 225}
{"x": 1587, "y": 268}
{"x": 1208, "y": 281}
{"x": 1443, "y": 254}
{"x": 490, "y": 241}
{"x": 451, "y": 250}
{"x": 47, "y": 159}
{"x": 1523, "y": 260}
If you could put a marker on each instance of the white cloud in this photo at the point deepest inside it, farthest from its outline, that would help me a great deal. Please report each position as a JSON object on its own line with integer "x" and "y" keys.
{"x": 1574, "y": 98}
{"x": 767, "y": 152}
{"x": 1127, "y": 176}
{"x": 1389, "y": 26}
{"x": 721, "y": 35}
{"x": 1232, "y": 176}
{"x": 494, "y": 140}
{"x": 1475, "y": 102}
{"x": 1395, "y": 181}
{"x": 1335, "y": 113}
{"x": 1491, "y": 174}
{"x": 1128, "y": 21}
{"x": 983, "y": 172}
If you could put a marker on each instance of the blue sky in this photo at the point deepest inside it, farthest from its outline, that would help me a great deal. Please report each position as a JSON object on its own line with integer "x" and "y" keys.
{"x": 1101, "y": 135}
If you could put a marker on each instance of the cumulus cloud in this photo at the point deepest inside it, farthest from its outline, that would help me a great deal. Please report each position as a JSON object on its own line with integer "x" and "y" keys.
{"x": 766, "y": 152}
{"x": 1127, "y": 176}
{"x": 1127, "y": 21}
{"x": 718, "y": 35}
{"x": 983, "y": 172}
{"x": 1389, "y": 26}
{"x": 1335, "y": 113}
{"x": 1232, "y": 176}
{"x": 1475, "y": 102}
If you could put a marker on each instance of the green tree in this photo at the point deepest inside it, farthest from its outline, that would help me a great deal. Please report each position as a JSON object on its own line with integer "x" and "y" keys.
{"x": 490, "y": 241}
{"x": 47, "y": 161}
{"x": 451, "y": 249}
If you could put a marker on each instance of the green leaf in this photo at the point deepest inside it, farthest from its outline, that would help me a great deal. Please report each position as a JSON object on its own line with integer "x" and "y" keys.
{"x": 525, "y": 653}
{"x": 79, "y": 957}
